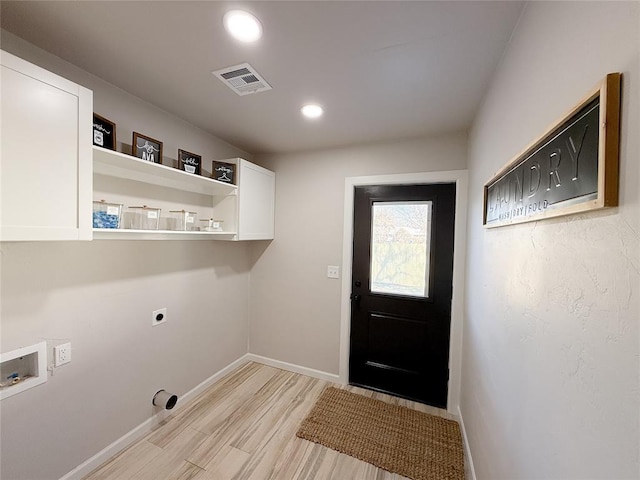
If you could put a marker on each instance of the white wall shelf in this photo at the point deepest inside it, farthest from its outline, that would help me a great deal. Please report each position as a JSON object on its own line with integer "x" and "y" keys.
{"x": 120, "y": 165}
{"x": 131, "y": 181}
{"x": 129, "y": 234}
{"x": 246, "y": 209}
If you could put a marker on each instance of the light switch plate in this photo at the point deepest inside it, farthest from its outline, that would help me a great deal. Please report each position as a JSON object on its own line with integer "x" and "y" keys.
{"x": 333, "y": 271}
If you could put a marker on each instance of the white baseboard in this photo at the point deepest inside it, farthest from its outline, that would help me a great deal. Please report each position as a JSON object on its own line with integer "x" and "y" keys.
{"x": 148, "y": 425}
{"x": 467, "y": 450}
{"x": 290, "y": 367}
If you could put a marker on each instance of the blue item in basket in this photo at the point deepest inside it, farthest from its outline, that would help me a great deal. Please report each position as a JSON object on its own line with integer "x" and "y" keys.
{"x": 104, "y": 220}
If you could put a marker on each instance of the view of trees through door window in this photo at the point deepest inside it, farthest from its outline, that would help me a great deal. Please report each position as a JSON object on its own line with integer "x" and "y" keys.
{"x": 400, "y": 249}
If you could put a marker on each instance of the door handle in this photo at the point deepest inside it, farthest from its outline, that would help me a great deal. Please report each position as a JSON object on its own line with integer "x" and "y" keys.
{"x": 356, "y": 298}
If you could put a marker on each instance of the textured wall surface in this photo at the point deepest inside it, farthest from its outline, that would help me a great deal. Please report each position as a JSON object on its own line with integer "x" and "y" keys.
{"x": 99, "y": 296}
{"x": 550, "y": 367}
{"x": 295, "y": 308}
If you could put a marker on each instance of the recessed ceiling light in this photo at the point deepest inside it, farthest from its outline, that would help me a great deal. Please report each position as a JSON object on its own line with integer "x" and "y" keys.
{"x": 242, "y": 25}
{"x": 312, "y": 110}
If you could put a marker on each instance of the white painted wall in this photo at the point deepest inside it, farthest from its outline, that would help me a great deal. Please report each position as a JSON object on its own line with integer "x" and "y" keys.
{"x": 550, "y": 367}
{"x": 295, "y": 308}
{"x": 99, "y": 296}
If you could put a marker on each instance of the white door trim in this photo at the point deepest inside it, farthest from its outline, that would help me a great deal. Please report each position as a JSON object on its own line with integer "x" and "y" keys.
{"x": 459, "y": 177}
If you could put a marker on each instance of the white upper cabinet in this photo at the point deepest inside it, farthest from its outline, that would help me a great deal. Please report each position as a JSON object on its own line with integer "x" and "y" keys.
{"x": 45, "y": 154}
{"x": 256, "y": 201}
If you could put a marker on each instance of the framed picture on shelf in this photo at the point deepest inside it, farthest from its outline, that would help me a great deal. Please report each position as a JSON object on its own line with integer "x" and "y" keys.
{"x": 146, "y": 148}
{"x": 104, "y": 132}
{"x": 189, "y": 162}
{"x": 223, "y": 172}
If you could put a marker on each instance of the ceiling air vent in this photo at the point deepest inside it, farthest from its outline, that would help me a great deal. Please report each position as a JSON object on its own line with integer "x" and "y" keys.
{"x": 242, "y": 79}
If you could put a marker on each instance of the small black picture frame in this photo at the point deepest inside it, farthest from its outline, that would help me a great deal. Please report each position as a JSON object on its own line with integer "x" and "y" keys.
{"x": 189, "y": 162}
{"x": 146, "y": 148}
{"x": 104, "y": 132}
{"x": 223, "y": 172}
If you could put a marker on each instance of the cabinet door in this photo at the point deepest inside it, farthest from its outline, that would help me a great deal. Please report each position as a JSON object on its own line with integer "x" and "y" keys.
{"x": 45, "y": 170}
{"x": 256, "y": 202}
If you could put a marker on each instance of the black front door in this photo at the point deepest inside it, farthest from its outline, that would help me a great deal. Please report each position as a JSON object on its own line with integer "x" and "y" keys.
{"x": 401, "y": 290}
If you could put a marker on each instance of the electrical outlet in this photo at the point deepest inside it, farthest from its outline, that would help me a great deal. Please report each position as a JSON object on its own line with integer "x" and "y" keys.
{"x": 158, "y": 317}
{"x": 62, "y": 354}
{"x": 333, "y": 271}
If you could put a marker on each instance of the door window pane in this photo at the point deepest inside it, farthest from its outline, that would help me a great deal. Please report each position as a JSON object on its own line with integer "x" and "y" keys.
{"x": 400, "y": 248}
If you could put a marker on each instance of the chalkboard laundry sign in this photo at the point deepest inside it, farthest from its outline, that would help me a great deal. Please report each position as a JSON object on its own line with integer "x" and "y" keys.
{"x": 189, "y": 162}
{"x": 104, "y": 132}
{"x": 223, "y": 172}
{"x": 146, "y": 148}
{"x": 572, "y": 168}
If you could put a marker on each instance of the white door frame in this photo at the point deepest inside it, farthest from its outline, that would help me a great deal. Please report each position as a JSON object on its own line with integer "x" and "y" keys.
{"x": 459, "y": 177}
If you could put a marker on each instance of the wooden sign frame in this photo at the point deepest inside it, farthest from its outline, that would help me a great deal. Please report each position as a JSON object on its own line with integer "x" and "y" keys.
{"x": 501, "y": 205}
{"x": 187, "y": 159}
{"x": 148, "y": 150}
{"x": 102, "y": 136}
{"x": 223, "y": 172}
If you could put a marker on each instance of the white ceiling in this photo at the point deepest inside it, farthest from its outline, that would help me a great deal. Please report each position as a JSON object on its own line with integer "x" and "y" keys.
{"x": 383, "y": 70}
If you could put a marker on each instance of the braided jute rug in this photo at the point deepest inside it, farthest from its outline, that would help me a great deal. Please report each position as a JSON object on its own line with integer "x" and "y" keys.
{"x": 395, "y": 438}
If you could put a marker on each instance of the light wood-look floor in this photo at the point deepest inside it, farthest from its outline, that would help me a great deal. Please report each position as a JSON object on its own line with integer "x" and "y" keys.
{"x": 243, "y": 428}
